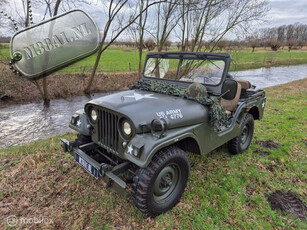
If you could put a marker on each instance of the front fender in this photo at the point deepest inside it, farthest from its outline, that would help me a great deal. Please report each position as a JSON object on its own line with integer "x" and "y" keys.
{"x": 79, "y": 123}
{"x": 150, "y": 145}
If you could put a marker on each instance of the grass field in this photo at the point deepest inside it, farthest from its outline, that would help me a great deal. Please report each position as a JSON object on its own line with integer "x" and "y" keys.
{"x": 126, "y": 60}
{"x": 224, "y": 191}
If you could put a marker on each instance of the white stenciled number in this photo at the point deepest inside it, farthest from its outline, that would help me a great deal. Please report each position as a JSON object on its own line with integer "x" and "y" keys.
{"x": 172, "y": 114}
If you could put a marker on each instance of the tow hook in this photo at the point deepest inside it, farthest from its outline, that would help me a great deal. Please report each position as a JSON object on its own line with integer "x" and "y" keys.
{"x": 68, "y": 145}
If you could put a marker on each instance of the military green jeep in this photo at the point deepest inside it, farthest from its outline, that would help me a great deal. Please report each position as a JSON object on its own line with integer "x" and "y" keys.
{"x": 137, "y": 140}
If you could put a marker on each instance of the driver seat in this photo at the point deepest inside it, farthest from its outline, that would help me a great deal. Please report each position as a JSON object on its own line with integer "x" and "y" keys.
{"x": 231, "y": 99}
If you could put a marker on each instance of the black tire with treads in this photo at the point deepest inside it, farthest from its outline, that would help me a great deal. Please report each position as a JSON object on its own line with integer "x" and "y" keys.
{"x": 239, "y": 143}
{"x": 143, "y": 188}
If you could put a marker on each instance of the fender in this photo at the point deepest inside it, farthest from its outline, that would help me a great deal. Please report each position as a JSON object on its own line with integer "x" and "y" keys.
{"x": 153, "y": 145}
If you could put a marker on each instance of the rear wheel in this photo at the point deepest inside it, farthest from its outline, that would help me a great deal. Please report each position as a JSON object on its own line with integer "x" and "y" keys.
{"x": 241, "y": 142}
{"x": 158, "y": 187}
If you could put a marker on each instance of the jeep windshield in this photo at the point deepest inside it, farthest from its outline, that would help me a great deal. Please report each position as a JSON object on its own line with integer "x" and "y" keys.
{"x": 186, "y": 68}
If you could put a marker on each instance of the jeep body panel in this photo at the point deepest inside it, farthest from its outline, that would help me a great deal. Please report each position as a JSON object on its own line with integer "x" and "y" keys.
{"x": 141, "y": 107}
{"x": 203, "y": 133}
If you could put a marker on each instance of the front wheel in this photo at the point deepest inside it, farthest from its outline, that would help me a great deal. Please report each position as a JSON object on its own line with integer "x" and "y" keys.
{"x": 158, "y": 187}
{"x": 241, "y": 142}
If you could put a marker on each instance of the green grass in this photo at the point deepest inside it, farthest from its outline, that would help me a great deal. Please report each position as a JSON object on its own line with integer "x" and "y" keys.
{"x": 224, "y": 191}
{"x": 125, "y": 60}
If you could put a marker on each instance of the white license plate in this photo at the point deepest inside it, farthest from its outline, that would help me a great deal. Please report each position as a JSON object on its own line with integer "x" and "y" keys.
{"x": 87, "y": 166}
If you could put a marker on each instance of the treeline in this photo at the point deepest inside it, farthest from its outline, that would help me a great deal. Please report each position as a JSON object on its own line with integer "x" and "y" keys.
{"x": 290, "y": 36}
{"x": 5, "y": 39}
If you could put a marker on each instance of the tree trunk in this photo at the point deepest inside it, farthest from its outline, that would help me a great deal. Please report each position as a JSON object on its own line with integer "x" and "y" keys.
{"x": 87, "y": 90}
{"x": 141, "y": 33}
{"x": 45, "y": 90}
{"x": 45, "y": 86}
{"x": 140, "y": 62}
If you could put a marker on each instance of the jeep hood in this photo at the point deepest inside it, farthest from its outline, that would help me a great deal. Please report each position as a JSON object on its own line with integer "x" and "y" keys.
{"x": 141, "y": 107}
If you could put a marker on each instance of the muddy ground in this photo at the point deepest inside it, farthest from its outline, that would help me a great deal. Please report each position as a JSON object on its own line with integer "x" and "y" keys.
{"x": 15, "y": 89}
{"x": 288, "y": 203}
{"x": 268, "y": 144}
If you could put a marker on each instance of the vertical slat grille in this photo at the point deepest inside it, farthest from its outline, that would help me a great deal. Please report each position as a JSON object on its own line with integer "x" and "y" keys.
{"x": 107, "y": 129}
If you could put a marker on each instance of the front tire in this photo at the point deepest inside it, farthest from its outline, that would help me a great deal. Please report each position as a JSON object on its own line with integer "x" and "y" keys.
{"x": 241, "y": 142}
{"x": 158, "y": 187}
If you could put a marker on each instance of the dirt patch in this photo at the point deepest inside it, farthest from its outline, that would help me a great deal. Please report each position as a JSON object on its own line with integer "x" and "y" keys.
{"x": 268, "y": 144}
{"x": 20, "y": 90}
{"x": 288, "y": 202}
{"x": 262, "y": 153}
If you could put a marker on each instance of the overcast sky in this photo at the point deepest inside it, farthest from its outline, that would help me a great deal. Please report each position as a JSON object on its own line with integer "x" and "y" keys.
{"x": 283, "y": 12}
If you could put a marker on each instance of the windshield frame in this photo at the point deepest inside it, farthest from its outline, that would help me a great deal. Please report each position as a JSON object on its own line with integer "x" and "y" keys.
{"x": 215, "y": 89}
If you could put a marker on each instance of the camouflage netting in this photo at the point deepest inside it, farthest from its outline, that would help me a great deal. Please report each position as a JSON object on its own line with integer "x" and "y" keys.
{"x": 217, "y": 113}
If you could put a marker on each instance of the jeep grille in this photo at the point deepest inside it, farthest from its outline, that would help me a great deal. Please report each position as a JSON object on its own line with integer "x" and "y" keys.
{"x": 108, "y": 130}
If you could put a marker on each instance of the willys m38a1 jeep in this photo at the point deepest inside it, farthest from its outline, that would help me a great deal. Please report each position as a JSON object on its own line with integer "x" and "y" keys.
{"x": 184, "y": 102}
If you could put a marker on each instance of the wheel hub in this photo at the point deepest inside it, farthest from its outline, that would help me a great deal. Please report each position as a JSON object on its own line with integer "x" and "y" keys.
{"x": 244, "y": 134}
{"x": 166, "y": 182}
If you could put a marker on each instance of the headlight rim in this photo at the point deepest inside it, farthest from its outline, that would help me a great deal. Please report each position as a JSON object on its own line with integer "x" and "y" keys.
{"x": 129, "y": 127}
{"x": 90, "y": 109}
{"x": 96, "y": 115}
{"x": 121, "y": 128}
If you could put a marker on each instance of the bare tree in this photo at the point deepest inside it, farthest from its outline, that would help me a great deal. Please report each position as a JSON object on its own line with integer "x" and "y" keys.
{"x": 200, "y": 18}
{"x": 150, "y": 44}
{"x": 137, "y": 31}
{"x": 222, "y": 44}
{"x": 64, "y": 5}
{"x": 142, "y": 22}
{"x": 274, "y": 44}
{"x": 116, "y": 12}
{"x": 281, "y": 33}
{"x": 290, "y": 35}
{"x": 216, "y": 18}
{"x": 186, "y": 10}
{"x": 290, "y": 43}
{"x": 53, "y": 11}
{"x": 167, "y": 44}
{"x": 253, "y": 42}
{"x": 238, "y": 15}
{"x": 165, "y": 21}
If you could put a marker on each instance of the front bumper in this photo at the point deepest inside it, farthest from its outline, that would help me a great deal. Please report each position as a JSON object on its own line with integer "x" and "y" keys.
{"x": 106, "y": 171}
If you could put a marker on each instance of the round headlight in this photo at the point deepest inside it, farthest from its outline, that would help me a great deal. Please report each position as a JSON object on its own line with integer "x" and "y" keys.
{"x": 127, "y": 128}
{"x": 93, "y": 114}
